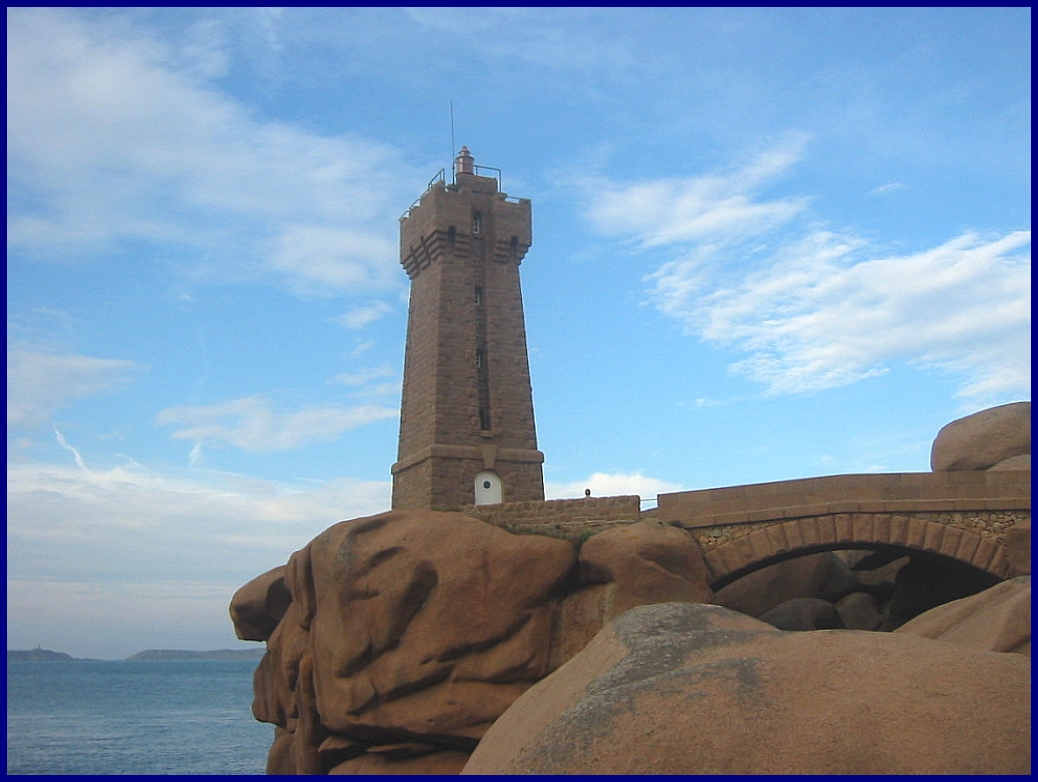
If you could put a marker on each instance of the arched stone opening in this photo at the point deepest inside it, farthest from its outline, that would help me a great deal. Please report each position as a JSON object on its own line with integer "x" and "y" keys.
{"x": 751, "y": 548}
{"x": 858, "y": 586}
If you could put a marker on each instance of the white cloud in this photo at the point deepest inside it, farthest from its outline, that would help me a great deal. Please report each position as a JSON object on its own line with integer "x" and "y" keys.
{"x": 108, "y": 562}
{"x": 824, "y": 314}
{"x": 39, "y": 383}
{"x": 813, "y": 308}
{"x": 360, "y": 317}
{"x": 611, "y": 485}
{"x": 253, "y": 425}
{"x": 112, "y": 138}
{"x": 707, "y": 208}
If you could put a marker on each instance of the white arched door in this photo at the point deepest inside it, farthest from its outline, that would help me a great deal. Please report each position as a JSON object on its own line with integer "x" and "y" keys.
{"x": 488, "y": 488}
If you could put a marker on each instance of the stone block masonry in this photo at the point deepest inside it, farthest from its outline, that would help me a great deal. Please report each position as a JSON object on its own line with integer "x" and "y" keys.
{"x": 467, "y": 406}
{"x": 573, "y": 520}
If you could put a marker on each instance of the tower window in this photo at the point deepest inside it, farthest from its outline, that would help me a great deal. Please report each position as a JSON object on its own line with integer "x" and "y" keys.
{"x": 452, "y": 235}
{"x": 477, "y": 223}
{"x": 479, "y": 296}
{"x": 479, "y": 358}
{"x": 514, "y": 246}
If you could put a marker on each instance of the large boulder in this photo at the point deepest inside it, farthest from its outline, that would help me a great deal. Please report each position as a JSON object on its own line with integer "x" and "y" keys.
{"x": 985, "y": 439}
{"x": 1018, "y": 548}
{"x": 995, "y": 620}
{"x": 406, "y": 635}
{"x": 825, "y": 575}
{"x": 258, "y": 607}
{"x": 858, "y": 611}
{"x": 410, "y": 628}
{"x": 804, "y": 613}
{"x": 698, "y": 689}
{"x": 638, "y": 564}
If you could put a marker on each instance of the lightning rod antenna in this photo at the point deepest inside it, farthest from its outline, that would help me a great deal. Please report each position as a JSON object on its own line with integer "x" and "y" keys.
{"x": 453, "y": 151}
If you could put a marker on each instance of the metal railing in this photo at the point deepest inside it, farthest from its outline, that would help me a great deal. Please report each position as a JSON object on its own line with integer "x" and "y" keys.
{"x": 441, "y": 176}
{"x": 499, "y": 177}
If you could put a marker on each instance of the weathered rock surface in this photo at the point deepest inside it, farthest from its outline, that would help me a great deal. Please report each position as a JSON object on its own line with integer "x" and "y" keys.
{"x": 258, "y": 606}
{"x": 984, "y": 439}
{"x": 1021, "y": 462}
{"x": 996, "y": 620}
{"x": 409, "y": 633}
{"x": 859, "y": 611}
{"x": 1018, "y": 548}
{"x": 697, "y": 689}
{"x": 804, "y": 613}
{"x": 825, "y": 575}
{"x": 640, "y": 564}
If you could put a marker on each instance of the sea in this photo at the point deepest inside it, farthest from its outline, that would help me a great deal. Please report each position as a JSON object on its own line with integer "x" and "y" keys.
{"x": 123, "y": 717}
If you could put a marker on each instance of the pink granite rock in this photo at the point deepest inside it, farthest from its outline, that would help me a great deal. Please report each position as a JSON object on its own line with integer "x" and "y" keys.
{"x": 983, "y": 440}
{"x": 679, "y": 688}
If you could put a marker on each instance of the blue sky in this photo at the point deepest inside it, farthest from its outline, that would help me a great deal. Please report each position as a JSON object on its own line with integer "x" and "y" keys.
{"x": 768, "y": 244}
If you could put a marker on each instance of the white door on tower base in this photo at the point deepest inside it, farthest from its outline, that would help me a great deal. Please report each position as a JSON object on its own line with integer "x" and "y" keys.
{"x": 488, "y": 488}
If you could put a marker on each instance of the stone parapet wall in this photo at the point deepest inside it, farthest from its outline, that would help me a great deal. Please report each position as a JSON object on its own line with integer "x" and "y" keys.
{"x": 871, "y": 493}
{"x": 977, "y": 538}
{"x": 568, "y": 519}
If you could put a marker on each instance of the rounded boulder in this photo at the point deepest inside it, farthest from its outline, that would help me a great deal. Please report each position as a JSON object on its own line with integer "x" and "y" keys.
{"x": 698, "y": 689}
{"x": 985, "y": 439}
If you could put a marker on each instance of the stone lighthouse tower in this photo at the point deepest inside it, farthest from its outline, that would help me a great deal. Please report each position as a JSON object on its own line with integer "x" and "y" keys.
{"x": 466, "y": 421}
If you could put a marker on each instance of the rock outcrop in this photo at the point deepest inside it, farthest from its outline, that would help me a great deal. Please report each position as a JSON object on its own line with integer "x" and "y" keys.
{"x": 804, "y": 613}
{"x": 409, "y": 633}
{"x": 985, "y": 440}
{"x": 258, "y": 607}
{"x": 698, "y": 689}
{"x": 401, "y": 643}
{"x": 995, "y": 620}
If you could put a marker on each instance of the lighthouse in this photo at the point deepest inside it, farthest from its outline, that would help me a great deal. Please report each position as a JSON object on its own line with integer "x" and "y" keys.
{"x": 467, "y": 432}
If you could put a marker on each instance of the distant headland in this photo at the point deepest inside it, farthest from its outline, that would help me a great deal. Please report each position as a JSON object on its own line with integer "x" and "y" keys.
{"x": 36, "y": 655}
{"x": 148, "y": 655}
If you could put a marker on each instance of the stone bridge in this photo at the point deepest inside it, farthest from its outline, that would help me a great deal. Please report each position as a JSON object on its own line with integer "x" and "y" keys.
{"x": 961, "y": 515}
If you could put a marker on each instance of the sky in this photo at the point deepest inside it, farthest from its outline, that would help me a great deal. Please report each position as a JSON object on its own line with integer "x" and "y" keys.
{"x": 768, "y": 244}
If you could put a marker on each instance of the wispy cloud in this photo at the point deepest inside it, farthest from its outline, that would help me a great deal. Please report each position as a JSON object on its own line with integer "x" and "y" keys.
{"x": 706, "y": 208}
{"x": 253, "y": 424}
{"x": 611, "y": 485}
{"x": 814, "y": 308}
{"x": 824, "y": 313}
{"x": 75, "y": 452}
{"x": 41, "y": 383}
{"x": 144, "y": 554}
{"x": 891, "y": 187}
{"x": 113, "y": 138}
{"x": 360, "y": 317}
{"x": 364, "y": 376}
{"x": 554, "y": 38}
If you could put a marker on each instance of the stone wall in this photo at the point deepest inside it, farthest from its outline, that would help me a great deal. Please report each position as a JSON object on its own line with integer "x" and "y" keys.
{"x": 871, "y": 493}
{"x": 573, "y": 520}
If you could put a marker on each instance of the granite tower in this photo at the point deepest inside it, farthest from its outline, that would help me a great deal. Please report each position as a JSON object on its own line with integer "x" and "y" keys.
{"x": 466, "y": 419}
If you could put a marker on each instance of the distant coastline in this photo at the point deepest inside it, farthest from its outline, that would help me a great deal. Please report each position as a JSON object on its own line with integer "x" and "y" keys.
{"x": 36, "y": 655}
{"x": 186, "y": 655}
{"x": 148, "y": 655}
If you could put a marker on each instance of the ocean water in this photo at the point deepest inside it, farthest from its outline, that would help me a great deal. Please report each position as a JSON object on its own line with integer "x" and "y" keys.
{"x": 133, "y": 718}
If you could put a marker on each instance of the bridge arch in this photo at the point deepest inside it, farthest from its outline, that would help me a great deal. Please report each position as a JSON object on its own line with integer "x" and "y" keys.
{"x": 738, "y": 551}
{"x": 963, "y": 516}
